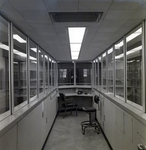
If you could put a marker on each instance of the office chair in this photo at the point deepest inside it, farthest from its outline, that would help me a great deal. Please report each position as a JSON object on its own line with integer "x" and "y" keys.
{"x": 68, "y": 103}
{"x": 91, "y": 122}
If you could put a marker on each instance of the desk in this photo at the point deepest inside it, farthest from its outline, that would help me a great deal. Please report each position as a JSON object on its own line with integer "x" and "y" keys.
{"x": 83, "y": 100}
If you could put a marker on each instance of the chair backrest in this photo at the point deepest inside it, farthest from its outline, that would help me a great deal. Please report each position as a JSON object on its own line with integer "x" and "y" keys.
{"x": 62, "y": 97}
{"x": 96, "y": 99}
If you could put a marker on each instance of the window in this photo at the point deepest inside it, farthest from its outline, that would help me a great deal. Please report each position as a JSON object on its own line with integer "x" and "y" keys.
{"x": 20, "y": 67}
{"x": 4, "y": 67}
{"x": 104, "y": 71}
{"x": 119, "y": 70}
{"x": 65, "y": 73}
{"x": 33, "y": 70}
{"x": 134, "y": 66}
{"x": 41, "y": 68}
{"x": 83, "y": 73}
{"x": 110, "y": 70}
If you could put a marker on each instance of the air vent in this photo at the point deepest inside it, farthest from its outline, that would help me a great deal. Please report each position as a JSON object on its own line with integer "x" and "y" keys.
{"x": 75, "y": 16}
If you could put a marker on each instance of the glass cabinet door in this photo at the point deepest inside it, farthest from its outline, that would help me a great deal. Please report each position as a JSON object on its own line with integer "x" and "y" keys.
{"x": 119, "y": 70}
{"x": 134, "y": 66}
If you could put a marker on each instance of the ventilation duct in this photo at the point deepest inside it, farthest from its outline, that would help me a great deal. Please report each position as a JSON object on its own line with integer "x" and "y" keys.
{"x": 75, "y": 16}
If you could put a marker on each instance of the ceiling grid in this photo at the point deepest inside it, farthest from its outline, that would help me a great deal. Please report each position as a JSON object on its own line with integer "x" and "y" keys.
{"x": 32, "y": 17}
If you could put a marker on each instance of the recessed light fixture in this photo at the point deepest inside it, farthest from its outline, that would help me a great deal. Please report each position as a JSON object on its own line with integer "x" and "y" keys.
{"x": 76, "y": 35}
{"x": 18, "y": 38}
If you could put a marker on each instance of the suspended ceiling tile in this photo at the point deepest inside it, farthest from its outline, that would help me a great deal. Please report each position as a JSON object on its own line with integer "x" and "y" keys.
{"x": 2, "y": 2}
{"x": 61, "y": 5}
{"x": 113, "y": 23}
{"x": 33, "y": 15}
{"x": 124, "y": 4}
{"x": 65, "y": 24}
{"x": 132, "y": 23}
{"x": 108, "y": 29}
{"x": 102, "y": 36}
{"x": 119, "y": 14}
{"x": 95, "y": 5}
{"x": 87, "y": 24}
{"x": 140, "y": 14}
{"x": 28, "y": 4}
{"x": 123, "y": 30}
{"x": 43, "y": 23}
{"x": 11, "y": 12}
{"x": 45, "y": 30}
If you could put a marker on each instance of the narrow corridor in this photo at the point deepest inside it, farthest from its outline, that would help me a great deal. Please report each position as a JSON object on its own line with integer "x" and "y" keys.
{"x": 66, "y": 135}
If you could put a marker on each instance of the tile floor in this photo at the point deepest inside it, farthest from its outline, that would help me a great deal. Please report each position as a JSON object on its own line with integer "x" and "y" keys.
{"x": 66, "y": 135}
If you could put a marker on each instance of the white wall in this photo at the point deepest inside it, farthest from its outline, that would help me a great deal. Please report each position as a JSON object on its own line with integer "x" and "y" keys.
{"x": 30, "y": 132}
{"x": 122, "y": 129}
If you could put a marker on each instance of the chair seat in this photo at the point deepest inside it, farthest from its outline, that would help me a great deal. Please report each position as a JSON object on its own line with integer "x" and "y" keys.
{"x": 89, "y": 109}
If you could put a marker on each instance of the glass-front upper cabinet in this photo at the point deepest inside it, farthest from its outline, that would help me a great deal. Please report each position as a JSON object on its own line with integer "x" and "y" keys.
{"x": 33, "y": 69}
{"x": 134, "y": 66}
{"x": 46, "y": 73}
{"x": 99, "y": 72}
{"x": 4, "y": 67}
{"x": 41, "y": 71}
{"x": 96, "y": 73}
{"x": 50, "y": 73}
{"x": 104, "y": 74}
{"x": 93, "y": 74}
{"x": 53, "y": 73}
{"x": 119, "y": 70}
{"x": 83, "y": 73}
{"x": 56, "y": 75}
{"x": 65, "y": 73}
{"x": 20, "y": 67}
{"x": 110, "y": 70}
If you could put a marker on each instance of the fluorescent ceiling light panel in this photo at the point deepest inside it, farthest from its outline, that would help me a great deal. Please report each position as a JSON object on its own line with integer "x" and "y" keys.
{"x": 75, "y": 54}
{"x": 18, "y": 38}
{"x": 74, "y": 57}
{"x": 134, "y": 35}
{"x": 75, "y": 47}
{"x": 76, "y": 35}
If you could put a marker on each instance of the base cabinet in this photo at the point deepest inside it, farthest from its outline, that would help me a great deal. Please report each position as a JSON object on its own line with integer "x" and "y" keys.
{"x": 30, "y": 132}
